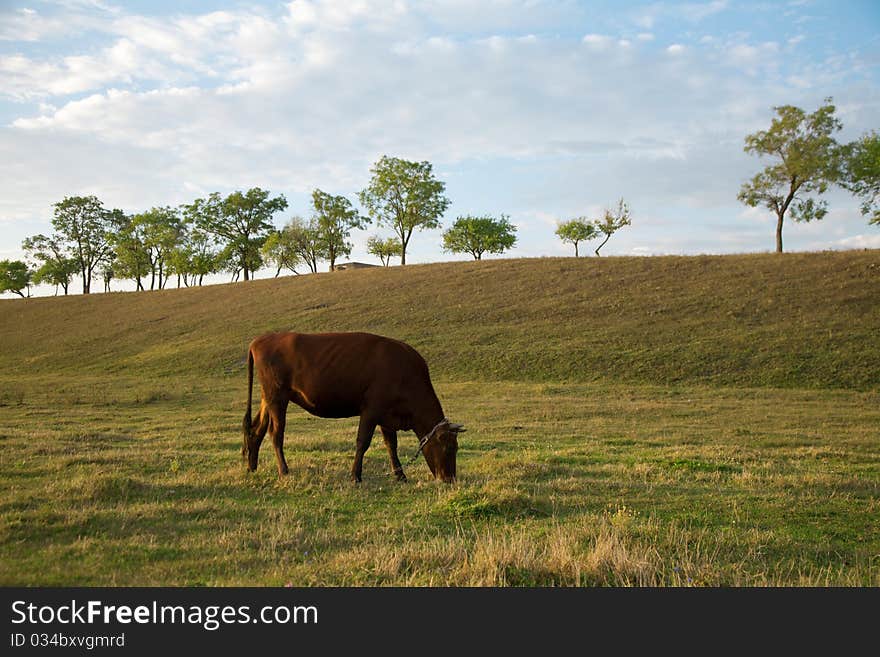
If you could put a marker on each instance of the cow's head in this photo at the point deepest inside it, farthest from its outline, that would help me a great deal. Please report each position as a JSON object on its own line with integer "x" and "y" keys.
{"x": 440, "y": 449}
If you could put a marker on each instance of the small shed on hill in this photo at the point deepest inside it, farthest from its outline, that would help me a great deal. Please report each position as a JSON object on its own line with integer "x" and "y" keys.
{"x": 342, "y": 266}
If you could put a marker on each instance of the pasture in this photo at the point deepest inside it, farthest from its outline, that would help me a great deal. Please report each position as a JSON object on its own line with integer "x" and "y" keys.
{"x": 655, "y": 421}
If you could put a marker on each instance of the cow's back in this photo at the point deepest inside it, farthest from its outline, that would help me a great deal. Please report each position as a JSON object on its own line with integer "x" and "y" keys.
{"x": 341, "y": 374}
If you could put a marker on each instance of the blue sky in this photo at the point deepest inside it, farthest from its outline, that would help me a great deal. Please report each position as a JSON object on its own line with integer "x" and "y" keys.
{"x": 540, "y": 110}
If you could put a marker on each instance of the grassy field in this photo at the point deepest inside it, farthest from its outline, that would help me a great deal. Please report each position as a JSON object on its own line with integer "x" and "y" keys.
{"x": 657, "y": 421}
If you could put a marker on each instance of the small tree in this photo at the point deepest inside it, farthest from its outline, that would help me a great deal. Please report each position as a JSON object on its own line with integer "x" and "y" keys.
{"x": 384, "y": 249}
{"x": 159, "y": 231}
{"x": 108, "y": 272}
{"x": 861, "y": 174}
{"x": 479, "y": 235}
{"x": 575, "y": 231}
{"x": 806, "y": 160}
{"x": 56, "y": 273}
{"x": 404, "y": 196}
{"x": 15, "y": 277}
{"x": 279, "y": 251}
{"x": 304, "y": 238}
{"x": 179, "y": 263}
{"x": 336, "y": 218}
{"x": 133, "y": 259}
{"x": 203, "y": 254}
{"x": 611, "y": 222}
{"x": 56, "y": 268}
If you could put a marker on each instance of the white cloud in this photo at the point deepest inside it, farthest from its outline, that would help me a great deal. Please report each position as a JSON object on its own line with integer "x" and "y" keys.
{"x": 598, "y": 41}
{"x": 699, "y": 11}
{"x": 675, "y": 49}
{"x": 753, "y": 58}
{"x": 860, "y": 242}
{"x": 649, "y": 16}
{"x": 29, "y": 25}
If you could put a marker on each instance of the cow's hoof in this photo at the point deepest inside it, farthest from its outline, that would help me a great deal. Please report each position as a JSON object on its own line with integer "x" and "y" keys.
{"x": 355, "y": 479}
{"x": 400, "y": 477}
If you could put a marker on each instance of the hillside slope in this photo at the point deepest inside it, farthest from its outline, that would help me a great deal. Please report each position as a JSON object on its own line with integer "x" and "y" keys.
{"x": 795, "y": 320}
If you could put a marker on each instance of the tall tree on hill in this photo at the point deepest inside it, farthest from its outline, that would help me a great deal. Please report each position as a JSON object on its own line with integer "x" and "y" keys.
{"x": 161, "y": 230}
{"x": 241, "y": 221}
{"x": 479, "y": 235}
{"x": 336, "y": 218}
{"x": 611, "y": 222}
{"x": 861, "y": 174}
{"x": 404, "y": 196}
{"x": 575, "y": 231}
{"x": 133, "y": 258}
{"x": 15, "y": 276}
{"x": 806, "y": 159}
{"x": 86, "y": 226}
{"x": 57, "y": 267}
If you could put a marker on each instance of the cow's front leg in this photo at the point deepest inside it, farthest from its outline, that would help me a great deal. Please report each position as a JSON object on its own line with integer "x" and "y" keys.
{"x": 366, "y": 427}
{"x": 390, "y": 436}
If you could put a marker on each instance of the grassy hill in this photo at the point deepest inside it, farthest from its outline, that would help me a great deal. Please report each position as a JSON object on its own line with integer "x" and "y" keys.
{"x": 795, "y": 320}
{"x": 672, "y": 421}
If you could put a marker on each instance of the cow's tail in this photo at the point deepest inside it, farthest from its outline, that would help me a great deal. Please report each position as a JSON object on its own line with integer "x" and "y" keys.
{"x": 246, "y": 423}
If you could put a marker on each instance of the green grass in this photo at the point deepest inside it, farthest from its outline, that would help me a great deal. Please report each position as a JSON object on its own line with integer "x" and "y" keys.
{"x": 792, "y": 320}
{"x": 119, "y": 439}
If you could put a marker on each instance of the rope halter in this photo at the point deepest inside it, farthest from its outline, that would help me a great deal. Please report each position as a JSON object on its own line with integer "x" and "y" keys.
{"x": 424, "y": 441}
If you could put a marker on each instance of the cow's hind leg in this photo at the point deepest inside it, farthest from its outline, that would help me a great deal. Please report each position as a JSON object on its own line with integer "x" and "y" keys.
{"x": 251, "y": 448}
{"x": 366, "y": 428}
{"x": 390, "y": 436}
{"x": 277, "y": 422}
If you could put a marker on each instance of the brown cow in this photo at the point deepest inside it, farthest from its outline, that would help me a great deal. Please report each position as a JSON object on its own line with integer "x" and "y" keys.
{"x": 384, "y": 381}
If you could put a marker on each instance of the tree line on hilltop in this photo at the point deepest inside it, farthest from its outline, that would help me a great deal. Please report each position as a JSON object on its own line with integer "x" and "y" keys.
{"x": 235, "y": 233}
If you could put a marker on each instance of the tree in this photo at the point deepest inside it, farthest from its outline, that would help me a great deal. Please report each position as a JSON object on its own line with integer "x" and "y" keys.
{"x": 612, "y": 222}
{"x": 179, "y": 261}
{"x": 404, "y": 196}
{"x": 279, "y": 251}
{"x": 304, "y": 238}
{"x": 479, "y": 235}
{"x": 384, "y": 249}
{"x": 15, "y": 277}
{"x": 202, "y": 254}
{"x": 576, "y": 230}
{"x": 160, "y": 231}
{"x": 806, "y": 159}
{"x": 861, "y": 173}
{"x": 241, "y": 221}
{"x": 336, "y": 218}
{"x": 108, "y": 273}
{"x": 56, "y": 273}
{"x": 86, "y": 226}
{"x": 133, "y": 258}
{"x": 56, "y": 268}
